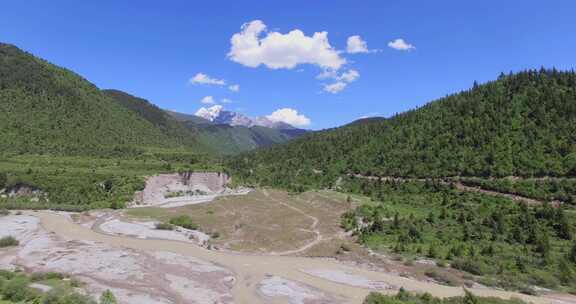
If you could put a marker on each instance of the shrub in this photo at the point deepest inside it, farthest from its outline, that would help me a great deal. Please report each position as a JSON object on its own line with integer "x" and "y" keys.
{"x": 471, "y": 266}
{"x": 441, "y": 264}
{"x": 164, "y": 226}
{"x": 61, "y": 295}
{"x": 184, "y": 221}
{"x": 8, "y": 241}
{"x": 107, "y": 297}
{"x": 16, "y": 289}
{"x": 42, "y": 276}
{"x": 441, "y": 277}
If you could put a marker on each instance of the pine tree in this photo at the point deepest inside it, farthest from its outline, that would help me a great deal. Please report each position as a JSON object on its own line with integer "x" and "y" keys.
{"x": 396, "y": 221}
{"x": 3, "y": 180}
{"x": 572, "y": 253}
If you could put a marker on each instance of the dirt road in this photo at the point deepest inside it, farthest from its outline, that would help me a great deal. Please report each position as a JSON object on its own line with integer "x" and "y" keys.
{"x": 329, "y": 276}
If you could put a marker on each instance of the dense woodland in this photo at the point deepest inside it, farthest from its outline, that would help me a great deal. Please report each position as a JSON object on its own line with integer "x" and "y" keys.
{"x": 499, "y": 241}
{"x": 522, "y": 124}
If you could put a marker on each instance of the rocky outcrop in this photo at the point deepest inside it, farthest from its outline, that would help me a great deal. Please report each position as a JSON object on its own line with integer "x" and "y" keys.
{"x": 193, "y": 186}
{"x": 214, "y": 181}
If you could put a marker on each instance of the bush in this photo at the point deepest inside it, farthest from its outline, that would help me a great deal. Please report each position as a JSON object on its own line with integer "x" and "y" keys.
{"x": 164, "y": 226}
{"x": 107, "y": 297}
{"x": 184, "y": 221}
{"x": 8, "y": 241}
{"x": 471, "y": 266}
{"x": 57, "y": 297}
{"x": 444, "y": 278}
{"x": 42, "y": 276}
{"x": 16, "y": 289}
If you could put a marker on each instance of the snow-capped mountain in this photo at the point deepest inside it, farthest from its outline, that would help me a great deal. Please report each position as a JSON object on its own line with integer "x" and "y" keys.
{"x": 217, "y": 114}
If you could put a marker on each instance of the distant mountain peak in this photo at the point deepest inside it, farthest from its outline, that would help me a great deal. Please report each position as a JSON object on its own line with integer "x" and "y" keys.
{"x": 218, "y": 115}
{"x": 210, "y": 113}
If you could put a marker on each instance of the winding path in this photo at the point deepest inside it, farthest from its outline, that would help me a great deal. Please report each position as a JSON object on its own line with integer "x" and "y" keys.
{"x": 251, "y": 269}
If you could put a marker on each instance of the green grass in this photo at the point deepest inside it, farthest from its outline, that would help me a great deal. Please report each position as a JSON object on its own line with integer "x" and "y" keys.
{"x": 159, "y": 214}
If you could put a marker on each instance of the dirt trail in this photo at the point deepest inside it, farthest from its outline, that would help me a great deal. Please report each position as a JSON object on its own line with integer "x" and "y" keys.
{"x": 460, "y": 186}
{"x": 513, "y": 197}
{"x": 313, "y": 228}
{"x": 250, "y": 270}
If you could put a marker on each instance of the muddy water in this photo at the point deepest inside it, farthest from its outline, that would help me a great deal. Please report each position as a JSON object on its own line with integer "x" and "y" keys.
{"x": 251, "y": 269}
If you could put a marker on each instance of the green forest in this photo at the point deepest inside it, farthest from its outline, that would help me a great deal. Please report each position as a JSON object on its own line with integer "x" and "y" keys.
{"x": 521, "y": 124}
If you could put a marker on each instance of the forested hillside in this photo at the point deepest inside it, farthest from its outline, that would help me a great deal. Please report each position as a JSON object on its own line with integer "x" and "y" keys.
{"x": 48, "y": 109}
{"x": 163, "y": 121}
{"x": 522, "y": 124}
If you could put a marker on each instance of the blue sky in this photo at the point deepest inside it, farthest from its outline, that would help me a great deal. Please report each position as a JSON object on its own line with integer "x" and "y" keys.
{"x": 153, "y": 48}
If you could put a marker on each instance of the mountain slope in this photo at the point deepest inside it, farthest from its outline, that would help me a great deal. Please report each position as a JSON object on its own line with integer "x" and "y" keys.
{"x": 162, "y": 120}
{"x": 522, "y": 124}
{"x": 221, "y": 139}
{"x": 48, "y": 109}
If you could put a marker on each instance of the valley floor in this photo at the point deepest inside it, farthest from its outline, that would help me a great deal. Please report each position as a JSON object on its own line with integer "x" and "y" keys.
{"x": 270, "y": 244}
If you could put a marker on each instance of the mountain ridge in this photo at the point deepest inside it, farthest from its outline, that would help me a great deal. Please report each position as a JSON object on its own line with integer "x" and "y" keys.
{"x": 217, "y": 114}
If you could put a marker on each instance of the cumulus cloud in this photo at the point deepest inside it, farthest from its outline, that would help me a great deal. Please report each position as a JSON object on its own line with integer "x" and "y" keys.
{"x": 355, "y": 45}
{"x": 349, "y": 76}
{"x": 336, "y": 87}
{"x": 234, "y": 88}
{"x": 208, "y": 100}
{"x": 254, "y": 46}
{"x": 289, "y": 116}
{"x": 401, "y": 45}
{"x": 202, "y": 78}
{"x": 341, "y": 81}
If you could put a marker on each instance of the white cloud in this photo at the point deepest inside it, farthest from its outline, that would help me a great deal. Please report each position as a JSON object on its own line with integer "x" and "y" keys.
{"x": 226, "y": 100}
{"x": 341, "y": 81}
{"x": 234, "y": 88}
{"x": 349, "y": 76}
{"x": 401, "y": 45}
{"x": 355, "y": 44}
{"x": 289, "y": 116}
{"x": 208, "y": 100}
{"x": 254, "y": 46}
{"x": 336, "y": 87}
{"x": 202, "y": 78}
{"x": 327, "y": 74}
